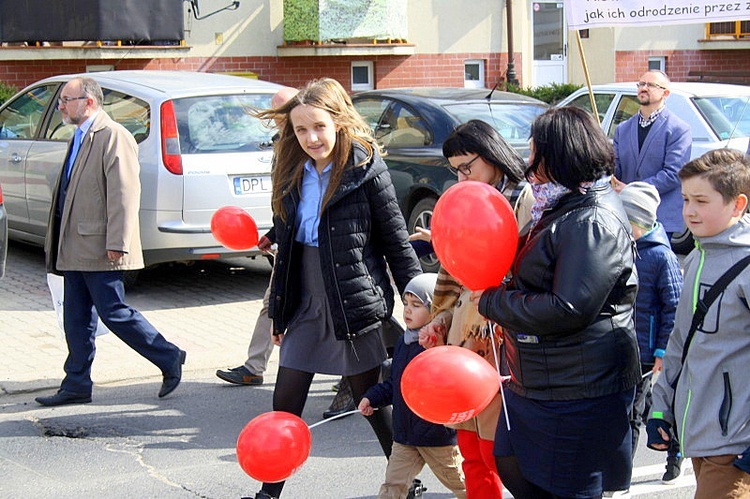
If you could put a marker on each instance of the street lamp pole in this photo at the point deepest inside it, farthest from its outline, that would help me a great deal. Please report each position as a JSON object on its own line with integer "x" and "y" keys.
{"x": 510, "y": 73}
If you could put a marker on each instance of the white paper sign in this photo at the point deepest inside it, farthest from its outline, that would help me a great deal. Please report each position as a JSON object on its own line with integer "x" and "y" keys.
{"x": 583, "y": 14}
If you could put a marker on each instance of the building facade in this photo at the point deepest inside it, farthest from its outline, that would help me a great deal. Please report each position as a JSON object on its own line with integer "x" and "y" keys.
{"x": 432, "y": 43}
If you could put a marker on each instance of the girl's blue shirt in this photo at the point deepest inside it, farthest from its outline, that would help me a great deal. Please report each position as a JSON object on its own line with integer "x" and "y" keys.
{"x": 314, "y": 186}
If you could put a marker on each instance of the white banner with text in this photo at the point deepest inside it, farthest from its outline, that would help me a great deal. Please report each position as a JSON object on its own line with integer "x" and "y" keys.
{"x": 583, "y": 14}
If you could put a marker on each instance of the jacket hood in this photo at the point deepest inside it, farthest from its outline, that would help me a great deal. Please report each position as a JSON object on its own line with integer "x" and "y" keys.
{"x": 656, "y": 237}
{"x": 358, "y": 172}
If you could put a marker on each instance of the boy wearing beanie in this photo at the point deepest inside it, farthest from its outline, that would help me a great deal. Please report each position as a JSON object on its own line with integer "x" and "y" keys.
{"x": 415, "y": 441}
{"x": 659, "y": 287}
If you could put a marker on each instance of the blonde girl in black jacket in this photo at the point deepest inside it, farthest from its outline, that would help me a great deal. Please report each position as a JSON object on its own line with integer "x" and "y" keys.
{"x": 337, "y": 223}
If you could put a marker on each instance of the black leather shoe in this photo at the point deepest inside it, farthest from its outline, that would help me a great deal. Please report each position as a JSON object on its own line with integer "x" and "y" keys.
{"x": 63, "y": 397}
{"x": 173, "y": 377}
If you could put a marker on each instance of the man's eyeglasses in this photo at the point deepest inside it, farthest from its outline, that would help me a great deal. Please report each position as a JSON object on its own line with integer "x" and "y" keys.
{"x": 464, "y": 168}
{"x": 642, "y": 84}
{"x": 65, "y": 100}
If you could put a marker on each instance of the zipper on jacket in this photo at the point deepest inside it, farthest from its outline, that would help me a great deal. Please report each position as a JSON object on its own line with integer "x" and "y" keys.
{"x": 349, "y": 335}
{"x": 651, "y": 330}
{"x": 682, "y": 435}
{"x": 726, "y": 406}
{"x": 697, "y": 280}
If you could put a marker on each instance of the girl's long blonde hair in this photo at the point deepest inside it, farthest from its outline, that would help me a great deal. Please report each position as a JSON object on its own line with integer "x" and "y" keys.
{"x": 326, "y": 94}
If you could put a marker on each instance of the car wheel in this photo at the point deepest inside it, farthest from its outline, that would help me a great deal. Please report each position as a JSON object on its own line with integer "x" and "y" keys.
{"x": 682, "y": 243}
{"x": 421, "y": 216}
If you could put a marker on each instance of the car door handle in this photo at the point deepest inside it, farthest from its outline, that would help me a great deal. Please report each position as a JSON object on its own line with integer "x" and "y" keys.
{"x": 15, "y": 158}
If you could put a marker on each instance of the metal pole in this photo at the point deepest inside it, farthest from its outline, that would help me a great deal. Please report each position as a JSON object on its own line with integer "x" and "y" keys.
{"x": 510, "y": 73}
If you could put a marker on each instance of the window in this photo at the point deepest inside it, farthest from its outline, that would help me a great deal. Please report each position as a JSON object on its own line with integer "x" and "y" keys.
{"x": 405, "y": 129}
{"x": 20, "y": 120}
{"x": 362, "y": 76}
{"x": 603, "y": 101}
{"x": 728, "y": 30}
{"x": 131, "y": 112}
{"x": 626, "y": 108}
{"x": 659, "y": 63}
{"x": 371, "y": 110}
{"x": 222, "y": 123}
{"x": 474, "y": 74}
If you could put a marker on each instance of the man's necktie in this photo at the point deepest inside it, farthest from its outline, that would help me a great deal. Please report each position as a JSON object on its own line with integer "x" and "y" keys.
{"x": 77, "y": 139}
{"x": 75, "y": 147}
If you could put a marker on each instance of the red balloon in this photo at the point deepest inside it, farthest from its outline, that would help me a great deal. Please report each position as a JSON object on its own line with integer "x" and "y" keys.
{"x": 273, "y": 446}
{"x": 234, "y": 228}
{"x": 475, "y": 234}
{"x": 448, "y": 384}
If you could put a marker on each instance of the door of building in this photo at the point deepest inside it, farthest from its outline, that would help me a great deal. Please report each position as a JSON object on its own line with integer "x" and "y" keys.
{"x": 550, "y": 43}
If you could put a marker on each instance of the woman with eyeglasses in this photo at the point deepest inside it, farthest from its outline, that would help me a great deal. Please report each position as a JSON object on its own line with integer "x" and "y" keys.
{"x": 475, "y": 151}
{"x": 567, "y": 319}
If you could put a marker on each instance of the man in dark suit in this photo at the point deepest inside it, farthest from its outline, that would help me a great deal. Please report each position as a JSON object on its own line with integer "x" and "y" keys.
{"x": 652, "y": 146}
{"x": 93, "y": 236}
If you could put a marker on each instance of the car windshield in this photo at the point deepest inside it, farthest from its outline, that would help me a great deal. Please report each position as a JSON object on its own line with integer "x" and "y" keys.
{"x": 511, "y": 120}
{"x": 222, "y": 123}
{"x": 728, "y": 116}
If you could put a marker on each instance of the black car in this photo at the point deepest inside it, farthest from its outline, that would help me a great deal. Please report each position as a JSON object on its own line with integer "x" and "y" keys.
{"x": 412, "y": 123}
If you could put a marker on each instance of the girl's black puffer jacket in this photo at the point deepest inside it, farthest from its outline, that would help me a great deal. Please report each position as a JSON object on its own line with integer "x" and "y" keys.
{"x": 360, "y": 229}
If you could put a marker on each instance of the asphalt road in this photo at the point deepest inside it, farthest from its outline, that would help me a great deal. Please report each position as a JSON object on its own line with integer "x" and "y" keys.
{"x": 128, "y": 443}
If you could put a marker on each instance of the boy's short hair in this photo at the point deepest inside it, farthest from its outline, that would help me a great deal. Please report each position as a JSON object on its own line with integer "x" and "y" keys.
{"x": 727, "y": 170}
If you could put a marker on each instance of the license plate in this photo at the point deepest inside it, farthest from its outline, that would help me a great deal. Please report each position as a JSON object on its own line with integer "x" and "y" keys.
{"x": 252, "y": 185}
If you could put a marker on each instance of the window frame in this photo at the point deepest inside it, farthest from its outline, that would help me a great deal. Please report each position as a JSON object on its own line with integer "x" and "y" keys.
{"x": 480, "y": 82}
{"x": 736, "y": 34}
{"x": 370, "y": 85}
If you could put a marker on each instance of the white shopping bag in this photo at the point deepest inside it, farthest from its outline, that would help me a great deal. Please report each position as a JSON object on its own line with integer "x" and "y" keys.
{"x": 56, "y": 285}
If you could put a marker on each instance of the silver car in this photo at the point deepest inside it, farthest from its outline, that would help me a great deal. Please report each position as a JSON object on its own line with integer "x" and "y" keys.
{"x": 199, "y": 150}
{"x": 718, "y": 115}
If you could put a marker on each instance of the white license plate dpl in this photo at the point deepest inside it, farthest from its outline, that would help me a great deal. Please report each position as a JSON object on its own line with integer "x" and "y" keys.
{"x": 252, "y": 185}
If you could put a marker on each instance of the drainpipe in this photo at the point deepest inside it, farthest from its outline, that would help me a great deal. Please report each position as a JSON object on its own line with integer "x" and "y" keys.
{"x": 510, "y": 73}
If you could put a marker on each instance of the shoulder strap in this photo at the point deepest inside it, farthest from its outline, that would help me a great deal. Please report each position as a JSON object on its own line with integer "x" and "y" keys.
{"x": 705, "y": 303}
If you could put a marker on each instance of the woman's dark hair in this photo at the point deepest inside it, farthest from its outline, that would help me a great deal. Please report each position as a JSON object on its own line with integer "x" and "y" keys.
{"x": 478, "y": 137}
{"x": 570, "y": 147}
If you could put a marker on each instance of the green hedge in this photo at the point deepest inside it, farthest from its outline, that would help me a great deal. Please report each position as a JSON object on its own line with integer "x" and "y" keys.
{"x": 6, "y": 92}
{"x": 551, "y": 94}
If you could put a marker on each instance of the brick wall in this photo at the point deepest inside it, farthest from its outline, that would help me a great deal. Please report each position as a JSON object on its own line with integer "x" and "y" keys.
{"x": 390, "y": 71}
{"x": 630, "y": 65}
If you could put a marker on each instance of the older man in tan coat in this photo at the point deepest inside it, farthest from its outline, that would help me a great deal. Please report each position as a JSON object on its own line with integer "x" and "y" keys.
{"x": 92, "y": 237}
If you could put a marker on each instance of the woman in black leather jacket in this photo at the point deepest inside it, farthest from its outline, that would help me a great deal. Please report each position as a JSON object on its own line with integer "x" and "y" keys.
{"x": 336, "y": 223}
{"x": 567, "y": 316}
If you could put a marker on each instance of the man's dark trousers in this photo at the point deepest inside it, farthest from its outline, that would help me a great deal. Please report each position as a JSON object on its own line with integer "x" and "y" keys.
{"x": 105, "y": 292}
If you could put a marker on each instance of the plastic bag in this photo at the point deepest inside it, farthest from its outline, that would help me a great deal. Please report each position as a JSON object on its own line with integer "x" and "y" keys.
{"x": 56, "y": 285}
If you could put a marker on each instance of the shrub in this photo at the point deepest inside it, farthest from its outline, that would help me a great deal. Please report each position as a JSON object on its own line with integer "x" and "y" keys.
{"x": 6, "y": 92}
{"x": 551, "y": 94}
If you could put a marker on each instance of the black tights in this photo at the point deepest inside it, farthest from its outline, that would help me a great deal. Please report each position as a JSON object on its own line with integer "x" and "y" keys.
{"x": 513, "y": 480}
{"x": 290, "y": 395}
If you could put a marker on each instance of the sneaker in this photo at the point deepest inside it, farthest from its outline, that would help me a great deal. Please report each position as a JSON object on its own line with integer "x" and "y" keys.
{"x": 240, "y": 376}
{"x": 416, "y": 489}
{"x": 617, "y": 493}
{"x": 674, "y": 470}
{"x": 342, "y": 403}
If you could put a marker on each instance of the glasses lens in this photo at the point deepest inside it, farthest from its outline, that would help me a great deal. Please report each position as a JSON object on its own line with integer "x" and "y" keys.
{"x": 453, "y": 170}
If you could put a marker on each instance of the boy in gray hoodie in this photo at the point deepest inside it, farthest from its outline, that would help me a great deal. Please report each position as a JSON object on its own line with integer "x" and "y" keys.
{"x": 709, "y": 406}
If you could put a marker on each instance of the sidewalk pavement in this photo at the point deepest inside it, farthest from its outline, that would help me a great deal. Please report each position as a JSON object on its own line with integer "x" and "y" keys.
{"x": 208, "y": 309}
